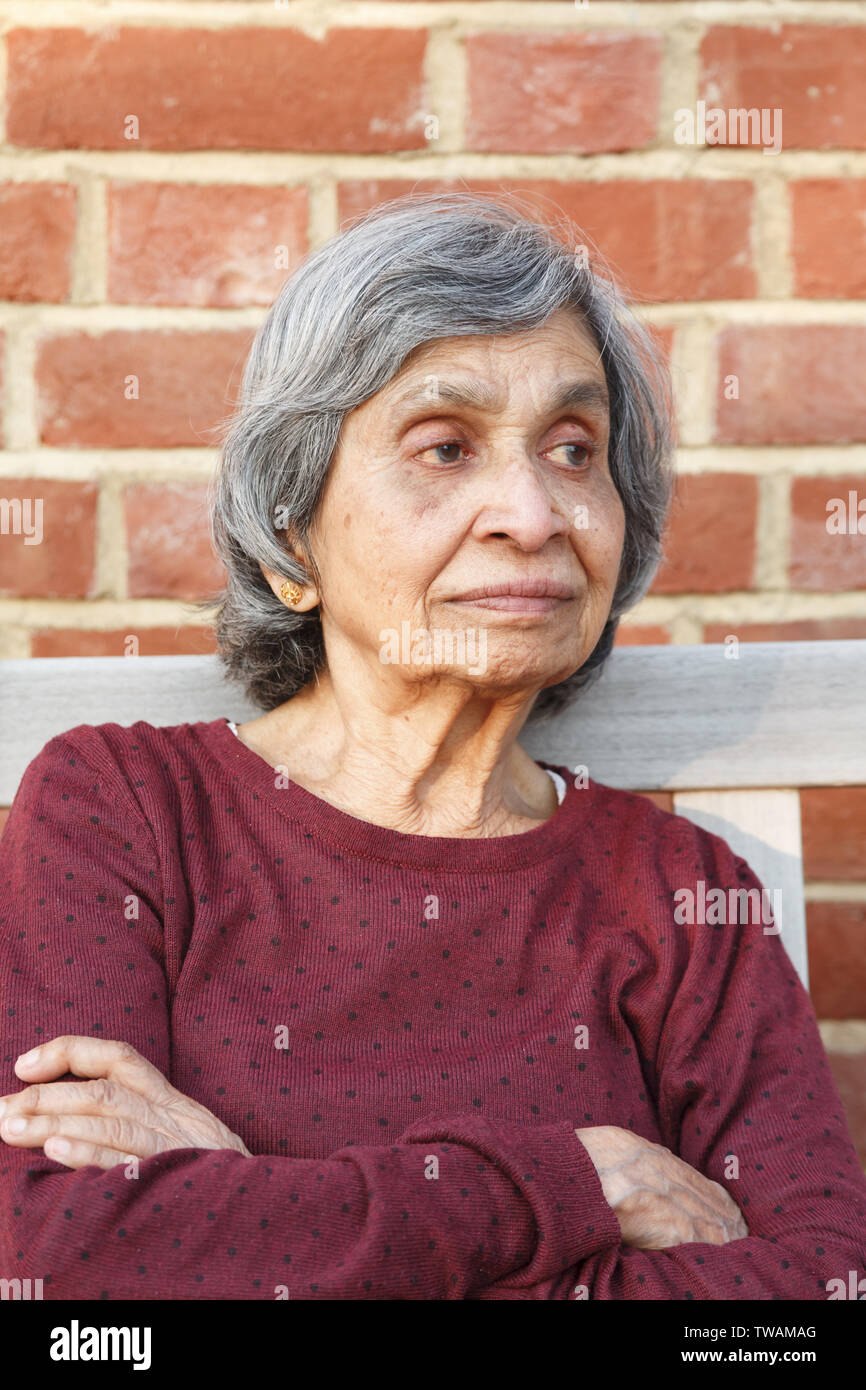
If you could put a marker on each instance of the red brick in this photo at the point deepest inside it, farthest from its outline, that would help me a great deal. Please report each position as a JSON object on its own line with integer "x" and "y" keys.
{"x": 710, "y": 539}
{"x": 641, "y": 635}
{"x": 849, "y": 1073}
{"x": 836, "y": 942}
{"x": 2, "y": 374}
{"x": 210, "y": 244}
{"x": 829, "y": 238}
{"x": 790, "y": 630}
{"x": 814, "y": 74}
{"x": 38, "y": 221}
{"x": 242, "y": 88}
{"x": 549, "y": 93}
{"x": 664, "y": 239}
{"x": 798, "y": 384}
{"x": 187, "y": 382}
{"x": 152, "y": 641}
{"x": 168, "y": 538}
{"x": 62, "y": 565}
{"x": 834, "y": 832}
{"x": 821, "y": 559}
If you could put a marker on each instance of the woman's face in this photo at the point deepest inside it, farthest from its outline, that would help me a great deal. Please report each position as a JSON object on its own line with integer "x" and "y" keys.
{"x": 483, "y": 462}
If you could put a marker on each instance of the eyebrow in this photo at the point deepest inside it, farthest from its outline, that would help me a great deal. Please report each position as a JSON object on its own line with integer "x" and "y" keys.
{"x": 478, "y": 394}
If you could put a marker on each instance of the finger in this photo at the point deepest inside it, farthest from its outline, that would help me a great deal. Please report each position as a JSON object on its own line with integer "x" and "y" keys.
{"x": 712, "y": 1195}
{"x": 92, "y": 1057}
{"x": 714, "y": 1207}
{"x": 113, "y": 1132}
{"x": 721, "y": 1204}
{"x": 97, "y": 1097}
{"x": 708, "y": 1223}
{"x": 82, "y": 1154}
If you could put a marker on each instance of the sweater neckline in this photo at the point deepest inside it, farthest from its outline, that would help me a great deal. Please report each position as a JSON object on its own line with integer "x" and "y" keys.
{"x": 557, "y": 779}
{"x": 320, "y": 820}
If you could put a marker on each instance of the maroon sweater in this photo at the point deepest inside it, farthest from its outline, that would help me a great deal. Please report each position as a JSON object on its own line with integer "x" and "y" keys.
{"x": 413, "y": 1136}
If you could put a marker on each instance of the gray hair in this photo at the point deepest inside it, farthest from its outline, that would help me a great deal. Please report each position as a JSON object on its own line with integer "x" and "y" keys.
{"x": 415, "y": 269}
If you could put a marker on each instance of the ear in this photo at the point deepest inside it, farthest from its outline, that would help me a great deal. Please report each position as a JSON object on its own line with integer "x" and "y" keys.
{"x": 276, "y": 582}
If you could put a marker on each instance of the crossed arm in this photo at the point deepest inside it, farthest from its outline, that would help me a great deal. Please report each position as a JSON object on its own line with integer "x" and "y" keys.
{"x": 127, "y": 1111}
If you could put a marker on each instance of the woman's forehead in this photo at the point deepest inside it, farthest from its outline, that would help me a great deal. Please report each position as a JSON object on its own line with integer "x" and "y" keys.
{"x": 475, "y": 371}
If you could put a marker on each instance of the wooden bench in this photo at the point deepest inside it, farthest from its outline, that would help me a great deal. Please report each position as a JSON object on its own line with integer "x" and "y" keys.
{"x": 733, "y": 737}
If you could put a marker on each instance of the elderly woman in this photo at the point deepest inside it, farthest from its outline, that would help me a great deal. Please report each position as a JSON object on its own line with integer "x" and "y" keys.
{"x": 355, "y": 1000}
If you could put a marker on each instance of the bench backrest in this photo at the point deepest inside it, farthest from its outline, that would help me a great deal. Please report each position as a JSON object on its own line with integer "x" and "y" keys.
{"x": 733, "y": 732}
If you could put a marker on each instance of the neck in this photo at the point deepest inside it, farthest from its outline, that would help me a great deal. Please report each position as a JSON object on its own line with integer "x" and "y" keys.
{"x": 447, "y": 763}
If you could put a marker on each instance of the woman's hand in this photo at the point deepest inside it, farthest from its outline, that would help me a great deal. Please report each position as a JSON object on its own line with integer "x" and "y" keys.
{"x": 126, "y": 1110}
{"x": 659, "y": 1200}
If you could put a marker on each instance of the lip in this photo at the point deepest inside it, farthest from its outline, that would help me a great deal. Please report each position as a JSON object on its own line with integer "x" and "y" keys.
{"x": 518, "y": 588}
{"x": 524, "y": 596}
{"x": 512, "y": 603}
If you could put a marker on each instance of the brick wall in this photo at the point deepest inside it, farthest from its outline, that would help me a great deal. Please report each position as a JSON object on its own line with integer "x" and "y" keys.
{"x": 164, "y": 165}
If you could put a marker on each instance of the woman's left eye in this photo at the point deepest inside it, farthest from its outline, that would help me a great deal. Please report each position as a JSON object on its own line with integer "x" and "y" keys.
{"x": 573, "y": 448}
{"x": 450, "y": 447}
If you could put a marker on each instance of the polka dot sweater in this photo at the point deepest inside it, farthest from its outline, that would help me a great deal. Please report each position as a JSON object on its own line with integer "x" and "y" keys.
{"x": 406, "y": 1032}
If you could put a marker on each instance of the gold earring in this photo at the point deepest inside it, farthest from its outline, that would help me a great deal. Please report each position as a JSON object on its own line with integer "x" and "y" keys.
{"x": 291, "y": 593}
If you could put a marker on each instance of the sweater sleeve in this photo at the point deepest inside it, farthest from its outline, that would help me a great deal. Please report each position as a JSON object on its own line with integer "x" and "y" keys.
{"x": 452, "y": 1207}
{"x": 746, "y": 1096}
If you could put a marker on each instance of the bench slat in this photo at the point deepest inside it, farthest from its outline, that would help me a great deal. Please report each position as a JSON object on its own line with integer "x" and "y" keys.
{"x": 785, "y": 714}
{"x": 763, "y": 827}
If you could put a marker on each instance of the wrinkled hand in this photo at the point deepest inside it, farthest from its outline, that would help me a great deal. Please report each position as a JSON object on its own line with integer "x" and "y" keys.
{"x": 126, "y": 1110}
{"x": 659, "y": 1199}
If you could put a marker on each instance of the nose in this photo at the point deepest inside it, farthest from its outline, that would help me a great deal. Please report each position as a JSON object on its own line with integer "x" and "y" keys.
{"x": 520, "y": 505}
